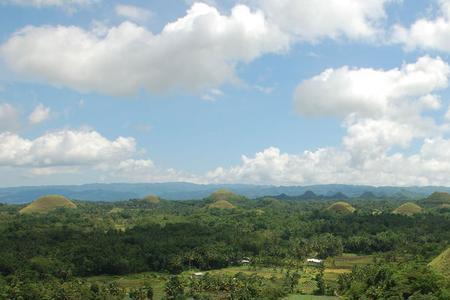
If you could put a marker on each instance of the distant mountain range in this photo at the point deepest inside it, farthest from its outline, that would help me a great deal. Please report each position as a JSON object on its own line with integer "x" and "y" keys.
{"x": 186, "y": 191}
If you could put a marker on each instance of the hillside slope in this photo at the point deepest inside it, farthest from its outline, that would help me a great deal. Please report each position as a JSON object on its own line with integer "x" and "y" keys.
{"x": 47, "y": 203}
{"x": 442, "y": 263}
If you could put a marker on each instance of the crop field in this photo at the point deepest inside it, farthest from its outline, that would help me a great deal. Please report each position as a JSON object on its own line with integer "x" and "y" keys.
{"x": 307, "y": 285}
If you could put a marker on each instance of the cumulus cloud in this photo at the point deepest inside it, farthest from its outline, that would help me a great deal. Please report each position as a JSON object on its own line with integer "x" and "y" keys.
{"x": 63, "y": 148}
{"x": 40, "y": 114}
{"x": 132, "y": 12}
{"x": 333, "y": 165}
{"x": 426, "y": 33}
{"x": 9, "y": 117}
{"x": 128, "y": 57}
{"x": 370, "y": 92}
{"x": 383, "y": 111}
{"x": 315, "y": 20}
{"x": 124, "y": 59}
{"x": 82, "y": 153}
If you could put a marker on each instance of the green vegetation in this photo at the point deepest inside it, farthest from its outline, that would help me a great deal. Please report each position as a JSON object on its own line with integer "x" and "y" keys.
{"x": 408, "y": 209}
{"x": 47, "y": 203}
{"x": 139, "y": 249}
{"x": 309, "y": 297}
{"x": 437, "y": 198}
{"x": 341, "y": 207}
{"x": 442, "y": 263}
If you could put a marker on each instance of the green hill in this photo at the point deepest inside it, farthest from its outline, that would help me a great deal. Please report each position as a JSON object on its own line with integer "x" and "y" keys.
{"x": 224, "y": 199}
{"x": 224, "y": 194}
{"x": 437, "y": 198}
{"x": 341, "y": 207}
{"x": 221, "y": 204}
{"x": 152, "y": 199}
{"x": 408, "y": 209}
{"x": 442, "y": 263}
{"x": 47, "y": 203}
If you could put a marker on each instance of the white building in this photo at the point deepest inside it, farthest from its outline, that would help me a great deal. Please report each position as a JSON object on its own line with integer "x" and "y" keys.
{"x": 314, "y": 261}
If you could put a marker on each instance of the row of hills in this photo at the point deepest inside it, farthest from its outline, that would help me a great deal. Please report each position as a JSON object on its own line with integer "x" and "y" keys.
{"x": 188, "y": 191}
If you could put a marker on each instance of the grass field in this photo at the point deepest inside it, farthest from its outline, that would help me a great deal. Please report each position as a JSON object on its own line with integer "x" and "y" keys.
{"x": 344, "y": 264}
{"x": 260, "y": 271}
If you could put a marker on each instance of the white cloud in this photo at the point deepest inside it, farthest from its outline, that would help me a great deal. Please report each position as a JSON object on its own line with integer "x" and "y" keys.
{"x": 381, "y": 108}
{"x": 331, "y": 165}
{"x": 314, "y": 20}
{"x": 129, "y": 57}
{"x": 40, "y": 114}
{"x": 81, "y": 153}
{"x": 369, "y": 92}
{"x": 426, "y": 33}
{"x": 383, "y": 112}
{"x": 9, "y": 117}
{"x": 124, "y": 59}
{"x": 63, "y": 148}
{"x": 132, "y": 12}
{"x": 212, "y": 95}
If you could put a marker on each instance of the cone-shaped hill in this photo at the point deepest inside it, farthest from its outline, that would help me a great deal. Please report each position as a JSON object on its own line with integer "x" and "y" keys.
{"x": 408, "y": 209}
{"x": 224, "y": 194}
{"x": 221, "y": 204}
{"x": 152, "y": 199}
{"x": 437, "y": 199}
{"x": 442, "y": 263}
{"x": 223, "y": 199}
{"x": 341, "y": 207}
{"x": 48, "y": 203}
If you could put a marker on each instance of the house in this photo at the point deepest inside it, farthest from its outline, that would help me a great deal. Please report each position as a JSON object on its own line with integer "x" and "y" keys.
{"x": 314, "y": 261}
{"x": 245, "y": 260}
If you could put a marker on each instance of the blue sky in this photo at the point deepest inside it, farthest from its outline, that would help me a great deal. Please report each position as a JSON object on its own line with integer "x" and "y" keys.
{"x": 270, "y": 92}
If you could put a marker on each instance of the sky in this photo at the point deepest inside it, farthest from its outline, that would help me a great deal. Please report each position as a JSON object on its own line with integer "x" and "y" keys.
{"x": 282, "y": 92}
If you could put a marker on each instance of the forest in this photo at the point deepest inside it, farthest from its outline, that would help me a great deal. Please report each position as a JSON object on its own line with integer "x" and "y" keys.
{"x": 226, "y": 246}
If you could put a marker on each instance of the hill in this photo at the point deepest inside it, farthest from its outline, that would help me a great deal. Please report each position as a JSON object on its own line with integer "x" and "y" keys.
{"x": 47, "y": 203}
{"x": 152, "y": 199}
{"x": 224, "y": 194}
{"x": 408, "y": 209}
{"x": 442, "y": 263}
{"x": 222, "y": 199}
{"x": 437, "y": 198}
{"x": 221, "y": 204}
{"x": 341, "y": 208}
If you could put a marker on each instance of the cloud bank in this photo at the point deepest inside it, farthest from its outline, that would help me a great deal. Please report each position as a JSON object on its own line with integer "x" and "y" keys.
{"x": 126, "y": 58}
{"x": 383, "y": 113}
